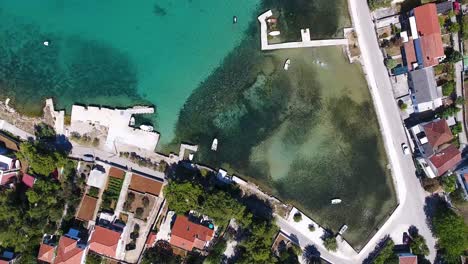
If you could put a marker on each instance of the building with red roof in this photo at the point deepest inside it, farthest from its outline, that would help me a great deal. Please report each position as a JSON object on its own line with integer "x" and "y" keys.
{"x": 438, "y": 133}
{"x": 407, "y": 259}
{"x": 445, "y": 159}
{"x": 28, "y": 180}
{"x": 68, "y": 252}
{"x": 188, "y": 235}
{"x": 105, "y": 242}
{"x": 427, "y": 23}
{"x": 46, "y": 253}
{"x": 151, "y": 240}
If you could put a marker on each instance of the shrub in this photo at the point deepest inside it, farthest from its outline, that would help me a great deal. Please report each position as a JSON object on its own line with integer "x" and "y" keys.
{"x": 457, "y": 128}
{"x": 430, "y": 184}
{"x": 449, "y": 183}
{"x": 311, "y": 228}
{"x": 454, "y": 28}
{"x": 139, "y": 212}
{"x": 330, "y": 243}
{"x": 93, "y": 191}
{"x": 145, "y": 201}
{"x": 297, "y": 217}
{"x": 448, "y": 88}
{"x": 391, "y": 63}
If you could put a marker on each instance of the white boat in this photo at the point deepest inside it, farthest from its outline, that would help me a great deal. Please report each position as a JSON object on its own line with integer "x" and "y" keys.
{"x": 286, "y": 64}
{"x": 146, "y": 128}
{"x": 132, "y": 121}
{"x": 274, "y": 33}
{"x": 190, "y": 156}
{"x": 234, "y": 19}
{"x": 335, "y": 201}
{"x": 343, "y": 229}
{"x": 214, "y": 145}
{"x": 46, "y": 43}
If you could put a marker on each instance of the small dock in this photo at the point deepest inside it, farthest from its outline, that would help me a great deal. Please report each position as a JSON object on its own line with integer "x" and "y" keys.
{"x": 305, "y": 34}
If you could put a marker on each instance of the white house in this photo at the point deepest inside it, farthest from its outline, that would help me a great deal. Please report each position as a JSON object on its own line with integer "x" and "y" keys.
{"x": 425, "y": 94}
{"x": 9, "y": 168}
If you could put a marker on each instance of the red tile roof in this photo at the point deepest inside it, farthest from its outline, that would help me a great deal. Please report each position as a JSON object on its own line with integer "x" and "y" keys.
{"x": 428, "y": 26}
{"x": 187, "y": 235}
{"x": 68, "y": 252}
{"x": 87, "y": 208}
{"x": 466, "y": 177}
{"x": 116, "y": 173}
{"x": 145, "y": 185}
{"x": 446, "y": 159}
{"x": 46, "y": 253}
{"x": 408, "y": 260}
{"x": 151, "y": 239}
{"x": 104, "y": 241}
{"x": 28, "y": 180}
{"x": 438, "y": 132}
{"x": 6, "y": 178}
{"x": 410, "y": 54}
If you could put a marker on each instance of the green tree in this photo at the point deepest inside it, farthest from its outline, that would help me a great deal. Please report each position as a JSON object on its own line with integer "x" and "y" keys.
{"x": 330, "y": 243}
{"x": 418, "y": 246}
{"x": 453, "y": 55}
{"x": 454, "y": 28}
{"x": 41, "y": 160}
{"x": 449, "y": 183}
{"x": 257, "y": 247}
{"x": 216, "y": 254}
{"x": 452, "y": 233}
{"x": 460, "y": 101}
{"x": 448, "y": 88}
{"x": 297, "y": 217}
{"x": 160, "y": 254}
{"x": 311, "y": 227}
{"x": 183, "y": 197}
{"x": 386, "y": 254}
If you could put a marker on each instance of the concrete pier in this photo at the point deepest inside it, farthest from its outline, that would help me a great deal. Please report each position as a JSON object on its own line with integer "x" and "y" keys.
{"x": 305, "y": 35}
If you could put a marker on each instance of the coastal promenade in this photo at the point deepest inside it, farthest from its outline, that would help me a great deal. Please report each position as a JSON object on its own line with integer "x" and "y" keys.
{"x": 305, "y": 35}
{"x": 411, "y": 196}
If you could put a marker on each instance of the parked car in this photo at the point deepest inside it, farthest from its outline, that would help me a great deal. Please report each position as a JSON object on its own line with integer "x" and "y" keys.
{"x": 88, "y": 157}
{"x": 405, "y": 149}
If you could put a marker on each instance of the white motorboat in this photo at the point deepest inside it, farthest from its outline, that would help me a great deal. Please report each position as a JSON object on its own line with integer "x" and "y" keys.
{"x": 46, "y": 43}
{"x": 132, "y": 121}
{"x": 146, "y": 128}
{"x": 214, "y": 145}
{"x": 286, "y": 64}
{"x": 234, "y": 19}
{"x": 274, "y": 33}
{"x": 335, "y": 201}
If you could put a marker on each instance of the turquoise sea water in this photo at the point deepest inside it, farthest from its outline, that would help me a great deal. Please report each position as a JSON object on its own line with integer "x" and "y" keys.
{"x": 171, "y": 45}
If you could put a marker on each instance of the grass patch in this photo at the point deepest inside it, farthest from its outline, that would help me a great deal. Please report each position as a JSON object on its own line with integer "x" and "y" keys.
{"x": 111, "y": 194}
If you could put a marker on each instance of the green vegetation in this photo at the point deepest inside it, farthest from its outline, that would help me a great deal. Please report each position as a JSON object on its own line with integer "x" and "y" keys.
{"x": 375, "y": 4}
{"x": 449, "y": 183}
{"x": 329, "y": 241}
{"x": 452, "y": 233}
{"x": 448, "y": 111}
{"x": 161, "y": 254}
{"x": 454, "y": 28}
{"x": 386, "y": 254}
{"x": 257, "y": 247}
{"x": 218, "y": 205}
{"x": 465, "y": 27}
{"x": 93, "y": 259}
{"x": 25, "y": 215}
{"x": 297, "y": 217}
{"x": 311, "y": 227}
{"x": 111, "y": 194}
{"x": 403, "y": 106}
{"x": 418, "y": 246}
{"x": 216, "y": 254}
{"x": 93, "y": 192}
{"x": 42, "y": 160}
{"x": 452, "y": 55}
{"x": 390, "y": 63}
{"x": 460, "y": 101}
{"x": 289, "y": 255}
{"x": 448, "y": 88}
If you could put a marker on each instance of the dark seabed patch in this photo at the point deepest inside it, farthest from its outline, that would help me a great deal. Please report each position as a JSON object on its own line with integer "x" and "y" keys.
{"x": 73, "y": 69}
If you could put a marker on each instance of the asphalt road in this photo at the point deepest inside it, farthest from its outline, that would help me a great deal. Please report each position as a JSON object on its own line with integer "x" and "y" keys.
{"x": 411, "y": 196}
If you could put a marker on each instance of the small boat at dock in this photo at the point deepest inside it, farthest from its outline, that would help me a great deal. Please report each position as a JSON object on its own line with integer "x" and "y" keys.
{"x": 335, "y": 201}
{"x": 214, "y": 144}
{"x": 146, "y": 128}
{"x": 286, "y": 64}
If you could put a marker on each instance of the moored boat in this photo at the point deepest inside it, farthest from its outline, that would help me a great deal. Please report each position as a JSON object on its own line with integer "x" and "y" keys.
{"x": 335, "y": 201}
{"x": 214, "y": 144}
{"x": 286, "y": 64}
